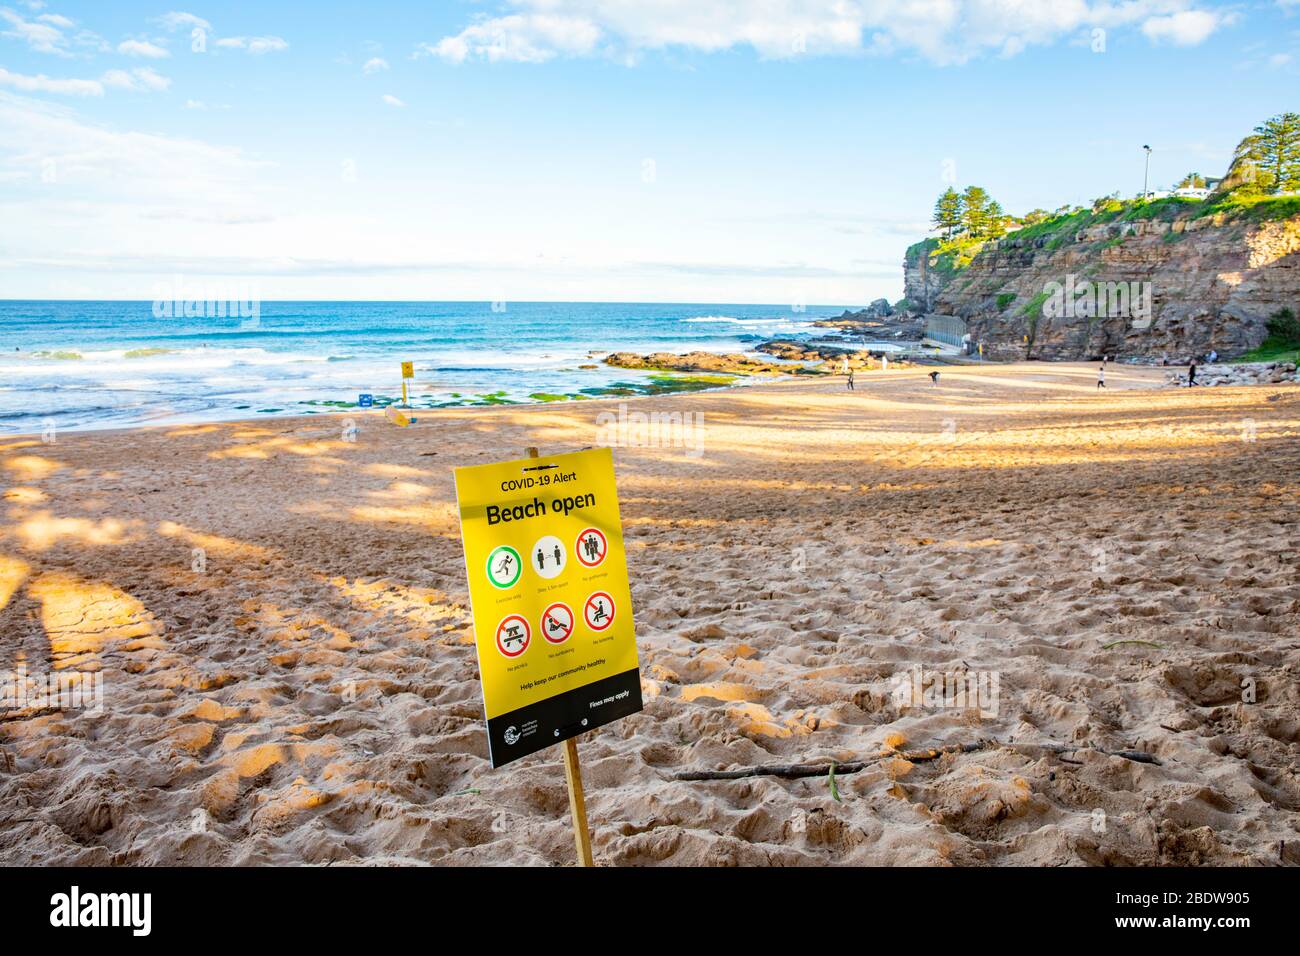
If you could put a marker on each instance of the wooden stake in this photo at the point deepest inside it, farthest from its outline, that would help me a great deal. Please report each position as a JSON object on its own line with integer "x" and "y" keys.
{"x": 573, "y": 777}
{"x": 577, "y": 802}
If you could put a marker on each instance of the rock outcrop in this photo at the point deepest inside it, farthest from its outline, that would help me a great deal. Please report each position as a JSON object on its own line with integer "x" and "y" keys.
{"x": 1245, "y": 373}
{"x": 878, "y": 321}
{"x": 831, "y": 358}
{"x": 1212, "y": 282}
{"x": 703, "y": 362}
{"x": 924, "y": 277}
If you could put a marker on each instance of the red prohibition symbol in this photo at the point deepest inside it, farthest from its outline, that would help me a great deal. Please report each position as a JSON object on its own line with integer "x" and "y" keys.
{"x": 557, "y": 623}
{"x": 598, "y": 612}
{"x": 591, "y": 547}
{"x": 513, "y": 635}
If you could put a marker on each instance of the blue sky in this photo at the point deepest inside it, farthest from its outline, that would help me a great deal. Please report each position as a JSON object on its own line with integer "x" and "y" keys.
{"x": 774, "y": 151}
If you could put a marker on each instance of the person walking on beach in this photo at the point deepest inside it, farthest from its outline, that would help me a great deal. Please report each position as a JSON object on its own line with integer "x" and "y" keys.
{"x": 850, "y": 380}
{"x": 1101, "y": 375}
{"x": 1191, "y": 374}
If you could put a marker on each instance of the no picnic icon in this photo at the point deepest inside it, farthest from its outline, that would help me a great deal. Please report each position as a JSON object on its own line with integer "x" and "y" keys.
{"x": 513, "y": 635}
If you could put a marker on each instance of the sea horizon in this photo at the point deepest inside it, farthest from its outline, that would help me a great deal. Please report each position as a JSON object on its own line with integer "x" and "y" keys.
{"x": 75, "y": 364}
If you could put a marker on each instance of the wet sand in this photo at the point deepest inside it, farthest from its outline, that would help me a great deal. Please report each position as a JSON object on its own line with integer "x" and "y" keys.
{"x": 279, "y": 616}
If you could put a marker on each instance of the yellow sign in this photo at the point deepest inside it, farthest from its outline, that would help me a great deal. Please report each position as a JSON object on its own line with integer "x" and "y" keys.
{"x": 549, "y": 593}
{"x": 408, "y": 370}
{"x": 398, "y": 418}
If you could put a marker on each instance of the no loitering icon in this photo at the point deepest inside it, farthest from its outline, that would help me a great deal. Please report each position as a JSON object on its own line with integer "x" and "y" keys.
{"x": 598, "y": 611}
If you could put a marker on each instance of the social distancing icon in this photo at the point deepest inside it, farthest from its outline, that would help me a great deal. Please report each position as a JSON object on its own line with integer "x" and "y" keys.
{"x": 591, "y": 547}
{"x": 513, "y": 635}
{"x": 557, "y": 623}
{"x": 598, "y": 611}
{"x": 504, "y": 567}
{"x": 548, "y": 556}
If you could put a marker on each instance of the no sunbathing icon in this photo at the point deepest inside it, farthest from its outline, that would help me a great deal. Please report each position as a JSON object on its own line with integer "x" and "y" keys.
{"x": 557, "y": 623}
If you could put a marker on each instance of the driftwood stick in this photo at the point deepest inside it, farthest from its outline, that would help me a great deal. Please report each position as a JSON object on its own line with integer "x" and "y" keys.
{"x": 797, "y": 771}
{"x": 1137, "y": 756}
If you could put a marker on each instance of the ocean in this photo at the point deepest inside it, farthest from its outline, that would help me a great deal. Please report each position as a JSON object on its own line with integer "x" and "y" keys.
{"x": 83, "y": 365}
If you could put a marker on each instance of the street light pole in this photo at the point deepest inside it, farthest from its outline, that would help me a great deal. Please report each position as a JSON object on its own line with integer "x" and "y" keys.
{"x": 1146, "y": 168}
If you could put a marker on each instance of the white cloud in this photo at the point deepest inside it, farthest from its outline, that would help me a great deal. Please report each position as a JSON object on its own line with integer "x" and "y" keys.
{"x": 44, "y": 34}
{"x": 111, "y": 180}
{"x": 179, "y": 20}
{"x": 1186, "y": 28}
{"x": 529, "y": 38}
{"x": 943, "y": 31}
{"x": 374, "y": 65}
{"x": 142, "y": 48}
{"x": 140, "y": 80}
{"x": 392, "y": 100}
{"x": 255, "y": 45}
{"x": 45, "y": 84}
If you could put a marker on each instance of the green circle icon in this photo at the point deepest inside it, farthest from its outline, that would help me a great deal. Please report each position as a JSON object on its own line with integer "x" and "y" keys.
{"x": 504, "y": 567}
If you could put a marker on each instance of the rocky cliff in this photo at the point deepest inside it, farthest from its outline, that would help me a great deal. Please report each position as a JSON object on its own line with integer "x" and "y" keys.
{"x": 1132, "y": 281}
{"x": 925, "y": 274}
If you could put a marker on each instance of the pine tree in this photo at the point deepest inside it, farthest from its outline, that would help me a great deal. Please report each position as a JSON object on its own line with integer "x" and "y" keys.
{"x": 997, "y": 221}
{"x": 1269, "y": 158}
{"x": 1279, "y": 150}
{"x": 947, "y": 212}
{"x": 975, "y": 211}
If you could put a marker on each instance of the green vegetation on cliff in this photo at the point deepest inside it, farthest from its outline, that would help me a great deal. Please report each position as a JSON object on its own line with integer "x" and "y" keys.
{"x": 946, "y": 256}
{"x": 1282, "y": 343}
{"x": 1265, "y": 167}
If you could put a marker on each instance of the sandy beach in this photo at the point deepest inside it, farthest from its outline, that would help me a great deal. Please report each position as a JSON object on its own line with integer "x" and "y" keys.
{"x": 280, "y": 619}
